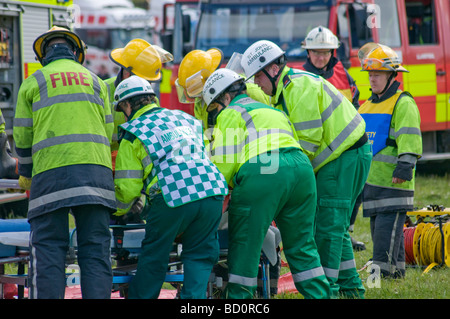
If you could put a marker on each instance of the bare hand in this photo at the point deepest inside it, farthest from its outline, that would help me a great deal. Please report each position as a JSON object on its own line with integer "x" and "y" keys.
{"x": 396, "y": 180}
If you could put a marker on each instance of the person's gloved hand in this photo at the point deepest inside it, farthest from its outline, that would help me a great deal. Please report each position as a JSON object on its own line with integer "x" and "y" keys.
{"x": 403, "y": 172}
{"x": 132, "y": 216}
{"x": 25, "y": 183}
{"x": 137, "y": 207}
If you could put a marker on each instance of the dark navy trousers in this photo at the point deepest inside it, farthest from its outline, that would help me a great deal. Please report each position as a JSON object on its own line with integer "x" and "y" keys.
{"x": 49, "y": 243}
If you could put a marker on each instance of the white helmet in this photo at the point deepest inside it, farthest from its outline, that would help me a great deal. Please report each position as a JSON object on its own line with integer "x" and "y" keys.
{"x": 259, "y": 55}
{"x": 218, "y": 82}
{"x": 320, "y": 38}
{"x": 132, "y": 86}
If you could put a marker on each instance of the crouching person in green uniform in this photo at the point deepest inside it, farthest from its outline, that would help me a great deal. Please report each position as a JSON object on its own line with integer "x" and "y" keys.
{"x": 256, "y": 149}
{"x": 162, "y": 154}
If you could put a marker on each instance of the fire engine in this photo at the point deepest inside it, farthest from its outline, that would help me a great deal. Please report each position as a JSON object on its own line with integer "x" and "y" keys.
{"x": 415, "y": 29}
{"x": 21, "y": 22}
{"x": 105, "y": 25}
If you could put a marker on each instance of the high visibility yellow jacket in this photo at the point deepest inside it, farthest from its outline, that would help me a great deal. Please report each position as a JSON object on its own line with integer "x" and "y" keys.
{"x": 253, "y": 90}
{"x": 246, "y": 129}
{"x": 132, "y": 170}
{"x": 337, "y": 75}
{"x": 405, "y": 145}
{"x": 119, "y": 117}
{"x": 326, "y": 123}
{"x": 63, "y": 115}
{"x": 63, "y": 121}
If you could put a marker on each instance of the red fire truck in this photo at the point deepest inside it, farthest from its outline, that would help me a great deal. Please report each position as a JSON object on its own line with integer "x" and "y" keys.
{"x": 416, "y": 29}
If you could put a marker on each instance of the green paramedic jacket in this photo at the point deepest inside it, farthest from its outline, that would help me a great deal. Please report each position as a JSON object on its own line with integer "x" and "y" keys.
{"x": 62, "y": 118}
{"x": 326, "y": 123}
{"x": 163, "y": 152}
{"x": 380, "y": 194}
{"x": 246, "y": 129}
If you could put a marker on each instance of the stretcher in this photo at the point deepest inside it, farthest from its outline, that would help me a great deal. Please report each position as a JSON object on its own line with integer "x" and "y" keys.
{"x": 14, "y": 242}
{"x": 125, "y": 249}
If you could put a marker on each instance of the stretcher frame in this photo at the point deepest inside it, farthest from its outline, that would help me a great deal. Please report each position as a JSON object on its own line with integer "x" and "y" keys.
{"x": 122, "y": 274}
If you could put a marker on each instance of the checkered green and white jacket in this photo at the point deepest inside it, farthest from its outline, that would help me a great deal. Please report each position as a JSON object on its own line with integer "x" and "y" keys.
{"x": 174, "y": 142}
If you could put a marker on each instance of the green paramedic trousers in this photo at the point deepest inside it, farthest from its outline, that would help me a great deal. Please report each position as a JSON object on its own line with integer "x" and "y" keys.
{"x": 338, "y": 185}
{"x": 276, "y": 186}
{"x": 196, "y": 223}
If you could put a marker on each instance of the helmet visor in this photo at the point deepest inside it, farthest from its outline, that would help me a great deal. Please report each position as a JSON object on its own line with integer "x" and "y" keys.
{"x": 234, "y": 63}
{"x": 183, "y": 97}
{"x": 195, "y": 83}
{"x": 371, "y": 64}
{"x": 164, "y": 55}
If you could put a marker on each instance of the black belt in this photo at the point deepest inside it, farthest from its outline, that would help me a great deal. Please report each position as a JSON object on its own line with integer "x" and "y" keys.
{"x": 363, "y": 140}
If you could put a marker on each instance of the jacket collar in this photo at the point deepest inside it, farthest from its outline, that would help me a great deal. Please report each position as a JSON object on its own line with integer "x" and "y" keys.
{"x": 326, "y": 72}
{"x": 280, "y": 86}
{"x": 390, "y": 92}
{"x": 143, "y": 110}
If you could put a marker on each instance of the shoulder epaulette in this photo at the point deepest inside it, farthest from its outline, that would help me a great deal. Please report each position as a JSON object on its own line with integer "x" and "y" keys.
{"x": 286, "y": 80}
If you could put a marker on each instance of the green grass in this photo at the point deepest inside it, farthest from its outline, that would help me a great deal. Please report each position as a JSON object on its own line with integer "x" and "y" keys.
{"x": 435, "y": 284}
{"x": 433, "y": 190}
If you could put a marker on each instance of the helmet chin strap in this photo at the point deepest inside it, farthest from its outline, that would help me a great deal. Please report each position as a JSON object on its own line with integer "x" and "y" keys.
{"x": 212, "y": 116}
{"x": 274, "y": 78}
{"x": 393, "y": 75}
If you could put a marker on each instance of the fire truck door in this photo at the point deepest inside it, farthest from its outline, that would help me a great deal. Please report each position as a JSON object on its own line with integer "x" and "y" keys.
{"x": 424, "y": 58}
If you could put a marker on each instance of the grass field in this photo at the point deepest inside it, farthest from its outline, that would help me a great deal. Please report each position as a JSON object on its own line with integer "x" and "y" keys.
{"x": 435, "y": 284}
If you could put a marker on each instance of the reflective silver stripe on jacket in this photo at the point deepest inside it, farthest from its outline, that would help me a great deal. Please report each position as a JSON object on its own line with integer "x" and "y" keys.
{"x": 122, "y": 205}
{"x": 342, "y": 136}
{"x": 253, "y": 135}
{"x": 25, "y": 160}
{"x": 125, "y": 174}
{"x": 23, "y": 122}
{"x": 386, "y": 202}
{"x": 58, "y": 140}
{"x": 70, "y": 193}
{"x": 336, "y": 101}
{"x": 307, "y": 125}
{"x": 404, "y": 130}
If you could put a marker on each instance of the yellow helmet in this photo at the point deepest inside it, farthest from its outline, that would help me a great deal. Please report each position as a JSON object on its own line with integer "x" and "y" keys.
{"x": 58, "y": 32}
{"x": 141, "y": 58}
{"x": 379, "y": 57}
{"x": 195, "y": 68}
{"x": 198, "y": 60}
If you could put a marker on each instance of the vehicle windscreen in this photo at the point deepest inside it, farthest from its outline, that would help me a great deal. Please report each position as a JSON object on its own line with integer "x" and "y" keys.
{"x": 233, "y": 28}
{"x": 109, "y": 39}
